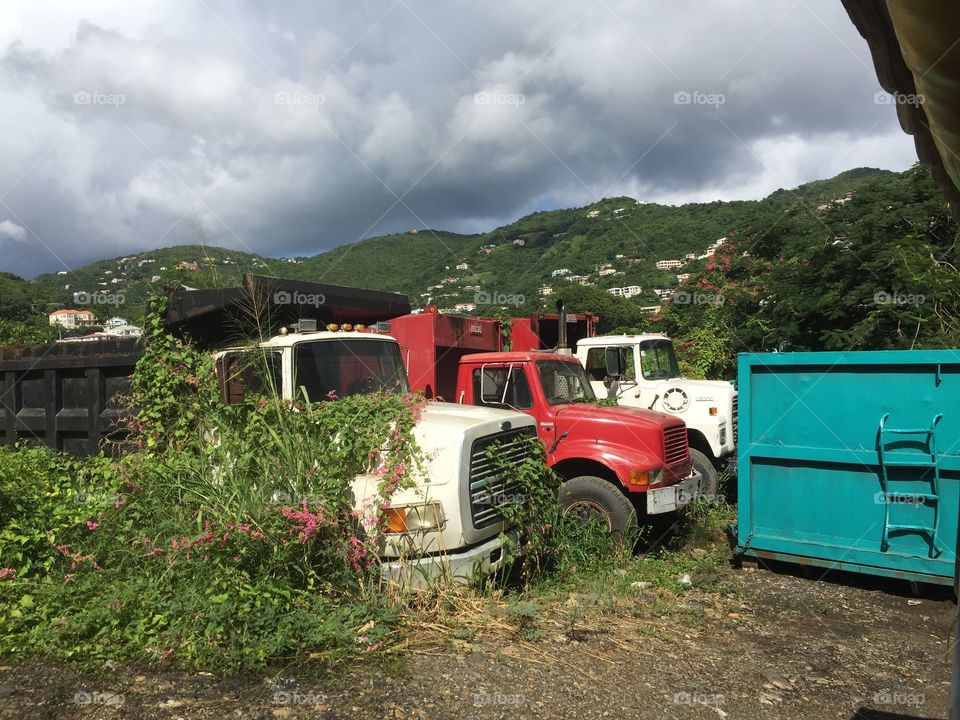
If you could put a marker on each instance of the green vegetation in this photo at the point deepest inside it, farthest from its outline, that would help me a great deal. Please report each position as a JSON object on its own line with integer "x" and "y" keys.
{"x": 228, "y": 542}
{"x": 875, "y": 272}
{"x": 866, "y": 259}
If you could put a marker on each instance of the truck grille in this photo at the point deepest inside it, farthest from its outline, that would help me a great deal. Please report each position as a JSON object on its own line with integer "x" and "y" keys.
{"x": 733, "y": 414}
{"x": 675, "y": 448}
{"x": 488, "y": 488}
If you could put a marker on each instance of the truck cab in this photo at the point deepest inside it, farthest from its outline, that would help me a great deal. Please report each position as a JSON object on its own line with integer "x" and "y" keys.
{"x": 650, "y": 378}
{"x": 439, "y": 529}
{"x": 615, "y": 461}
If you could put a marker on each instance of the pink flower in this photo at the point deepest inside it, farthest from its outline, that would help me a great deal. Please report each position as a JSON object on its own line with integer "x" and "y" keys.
{"x": 91, "y": 526}
{"x": 8, "y": 573}
{"x": 307, "y": 523}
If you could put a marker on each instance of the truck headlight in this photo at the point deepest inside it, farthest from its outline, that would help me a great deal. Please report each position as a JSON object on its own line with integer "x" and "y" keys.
{"x": 414, "y": 518}
{"x": 645, "y": 478}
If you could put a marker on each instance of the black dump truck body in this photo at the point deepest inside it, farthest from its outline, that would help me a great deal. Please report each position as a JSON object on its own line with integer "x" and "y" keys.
{"x": 70, "y": 396}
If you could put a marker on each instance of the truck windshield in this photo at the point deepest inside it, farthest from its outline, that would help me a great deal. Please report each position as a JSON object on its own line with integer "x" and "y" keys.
{"x": 657, "y": 360}
{"x": 330, "y": 369}
{"x": 564, "y": 382}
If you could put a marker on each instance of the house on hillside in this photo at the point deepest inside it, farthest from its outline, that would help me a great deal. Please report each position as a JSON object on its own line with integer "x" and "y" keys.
{"x": 560, "y": 272}
{"x": 72, "y": 318}
{"x": 593, "y": 214}
{"x": 187, "y": 265}
{"x": 625, "y": 292}
{"x": 668, "y": 264}
{"x": 123, "y": 331}
{"x": 463, "y": 266}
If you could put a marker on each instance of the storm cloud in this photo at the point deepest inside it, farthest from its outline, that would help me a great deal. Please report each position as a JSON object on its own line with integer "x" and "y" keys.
{"x": 291, "y": 128}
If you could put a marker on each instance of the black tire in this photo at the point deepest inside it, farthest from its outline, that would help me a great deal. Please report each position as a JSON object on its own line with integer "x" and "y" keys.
{"x": 589, "y": 494}
{"x": 710, "y": 481}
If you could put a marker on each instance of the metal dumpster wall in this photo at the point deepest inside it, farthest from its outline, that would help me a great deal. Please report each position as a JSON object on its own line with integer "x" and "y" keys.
{"x": 811, "y": 484}
{"x": 65, "y": 395}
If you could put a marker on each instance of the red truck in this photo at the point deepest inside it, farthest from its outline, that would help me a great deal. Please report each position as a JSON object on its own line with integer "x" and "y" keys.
{"x": 618, "y": 462}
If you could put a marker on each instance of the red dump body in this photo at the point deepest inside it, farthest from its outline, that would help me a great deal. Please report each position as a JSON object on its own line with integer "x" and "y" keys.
{"x": 432, "y": 344}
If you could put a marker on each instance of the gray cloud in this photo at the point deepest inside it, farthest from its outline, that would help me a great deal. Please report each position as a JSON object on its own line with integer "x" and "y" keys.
{"x": 293, "y": 129}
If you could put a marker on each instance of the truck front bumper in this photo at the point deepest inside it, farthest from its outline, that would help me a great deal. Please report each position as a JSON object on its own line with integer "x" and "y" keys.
{"x": 673, "y": 497}
{"x": 459, "y": 567}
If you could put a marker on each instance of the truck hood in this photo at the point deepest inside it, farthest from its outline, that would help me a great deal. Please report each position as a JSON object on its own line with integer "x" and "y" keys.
{"x": 463, "y": 417}
{"x": 607, "y": 419}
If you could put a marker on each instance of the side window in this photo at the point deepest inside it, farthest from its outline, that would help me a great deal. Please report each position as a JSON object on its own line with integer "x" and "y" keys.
{"x": 490, "y": 383}
{"x": 256, "y": 373}
{"x": 597, "y": 363}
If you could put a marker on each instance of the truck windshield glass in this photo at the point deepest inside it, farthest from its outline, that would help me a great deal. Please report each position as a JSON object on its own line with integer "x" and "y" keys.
{"x": 564, "y": 382}
{"x": 657, "y": 360}
{"x": 330, "y": 369}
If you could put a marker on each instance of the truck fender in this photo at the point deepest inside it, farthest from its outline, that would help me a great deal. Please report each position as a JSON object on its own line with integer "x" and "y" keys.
{"x": 619, "y": 460}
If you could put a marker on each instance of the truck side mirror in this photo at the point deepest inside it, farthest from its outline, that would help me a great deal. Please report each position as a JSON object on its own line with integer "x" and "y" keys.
{"x": 615, "y": 361}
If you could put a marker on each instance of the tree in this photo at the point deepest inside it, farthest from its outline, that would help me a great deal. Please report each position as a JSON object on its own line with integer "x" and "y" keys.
{"x": 615, "y": 313}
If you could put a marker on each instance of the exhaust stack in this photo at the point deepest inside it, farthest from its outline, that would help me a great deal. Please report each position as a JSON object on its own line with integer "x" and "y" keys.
{"x": 562, "y": 347}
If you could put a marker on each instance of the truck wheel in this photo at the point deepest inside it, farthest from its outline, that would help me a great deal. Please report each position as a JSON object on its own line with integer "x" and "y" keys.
{"x": 710, "y": 479}
{"x": 590, "y": 496}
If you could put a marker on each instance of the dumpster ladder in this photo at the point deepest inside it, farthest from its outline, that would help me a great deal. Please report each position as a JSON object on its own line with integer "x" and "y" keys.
{"x": 929, "y": 440}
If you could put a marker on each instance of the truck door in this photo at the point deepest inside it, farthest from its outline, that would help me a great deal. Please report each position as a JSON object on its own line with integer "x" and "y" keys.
{"x": 505, "y": 386}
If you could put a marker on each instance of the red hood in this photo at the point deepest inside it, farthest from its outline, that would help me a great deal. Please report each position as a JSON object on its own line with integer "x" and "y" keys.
{"x": 634, "y": 427}
{"x": 637, "y": 417}
{"x": 653, "y": 433}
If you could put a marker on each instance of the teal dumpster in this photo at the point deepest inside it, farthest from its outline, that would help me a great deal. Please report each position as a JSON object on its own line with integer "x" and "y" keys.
{"x": 851, "y": 460}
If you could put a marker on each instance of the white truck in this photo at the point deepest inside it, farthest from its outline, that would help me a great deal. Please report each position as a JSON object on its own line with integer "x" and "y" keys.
{"x": 650, "y": 378}
{"x": 444, "y": 526}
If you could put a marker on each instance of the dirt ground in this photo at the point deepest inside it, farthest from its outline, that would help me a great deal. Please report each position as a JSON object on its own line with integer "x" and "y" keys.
{"x": 771, "y": 645}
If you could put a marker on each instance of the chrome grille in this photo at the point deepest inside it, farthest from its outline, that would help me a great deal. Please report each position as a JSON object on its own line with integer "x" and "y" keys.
{"x": 488, "y": 488}
{"x": 675, "y": 445}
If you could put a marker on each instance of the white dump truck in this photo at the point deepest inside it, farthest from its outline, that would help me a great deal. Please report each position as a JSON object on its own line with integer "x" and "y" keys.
{"x": 650, "y": 378}
{"x": 444, "y": 527}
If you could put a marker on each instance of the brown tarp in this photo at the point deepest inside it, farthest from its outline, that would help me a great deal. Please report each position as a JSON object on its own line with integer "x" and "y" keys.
{"x": 915, "y": 46}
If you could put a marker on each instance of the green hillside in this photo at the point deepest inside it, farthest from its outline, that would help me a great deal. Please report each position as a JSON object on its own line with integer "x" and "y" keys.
{"x": 611, "y": 243}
